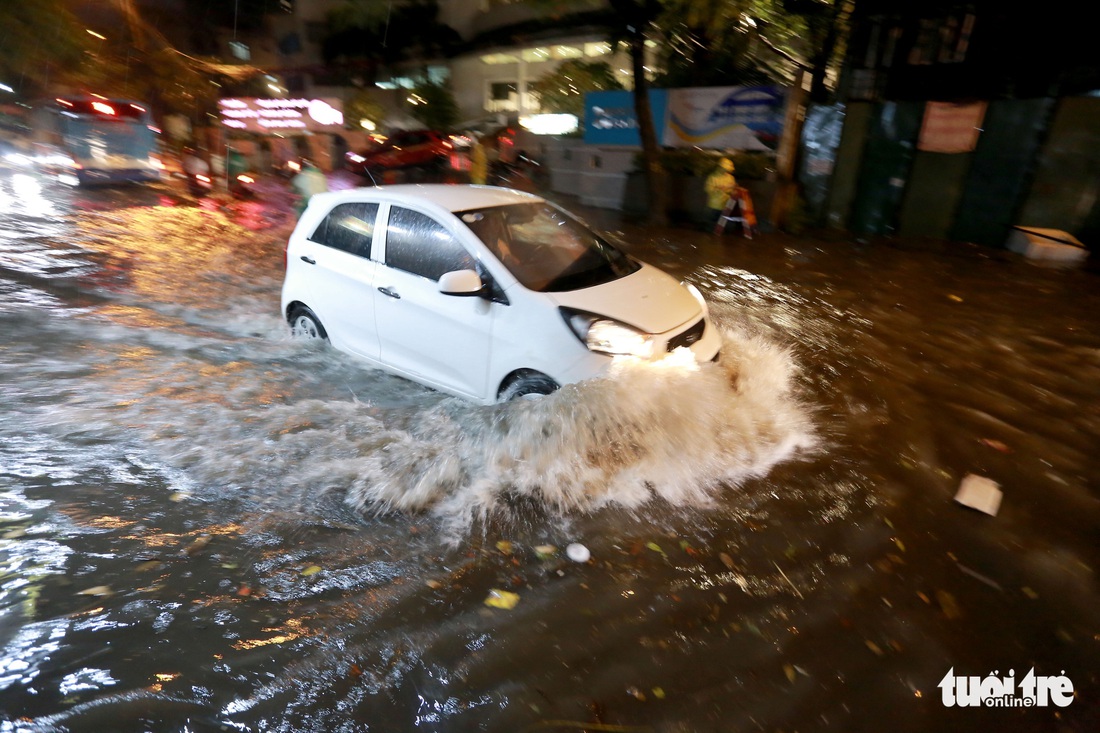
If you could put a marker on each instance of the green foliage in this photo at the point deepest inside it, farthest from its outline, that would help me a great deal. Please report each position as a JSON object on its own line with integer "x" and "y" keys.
{"x": 363, "y": 106}
{"x": 40, "y": 44}
{"x": 380, "y": 32}
{"x": 563, "y": 90}
{"x": 436, "y": 107}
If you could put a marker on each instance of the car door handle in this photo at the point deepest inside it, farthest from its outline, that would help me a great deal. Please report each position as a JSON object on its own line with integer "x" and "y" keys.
{"x": 390, "y": 292}
{"x": 309, "y": 260}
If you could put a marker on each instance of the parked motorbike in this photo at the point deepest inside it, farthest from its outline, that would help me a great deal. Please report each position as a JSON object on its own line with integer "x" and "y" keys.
{"x": 243, "y": 185}
{"x": 199, "y": 184}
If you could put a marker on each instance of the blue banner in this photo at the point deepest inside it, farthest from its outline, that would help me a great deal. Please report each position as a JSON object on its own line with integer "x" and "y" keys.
{"x": 609, "y": 117}
{"x": 737, "y": 118}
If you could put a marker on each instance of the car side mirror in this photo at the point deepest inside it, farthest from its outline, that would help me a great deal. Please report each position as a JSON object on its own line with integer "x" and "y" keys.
{"x": 462, "y": 283}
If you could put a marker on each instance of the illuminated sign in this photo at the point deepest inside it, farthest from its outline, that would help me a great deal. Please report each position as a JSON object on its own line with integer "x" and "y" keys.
{"x": 282, "y": 115}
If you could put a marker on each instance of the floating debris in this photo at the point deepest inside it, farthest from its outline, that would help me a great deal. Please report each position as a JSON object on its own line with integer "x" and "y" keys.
{"x": 98, "y": 590}
{"x": 978, "y": 492}
{"x": 545, "y": 552}
{"x": 502, "y": 599}
{"x": 578, "y": 552}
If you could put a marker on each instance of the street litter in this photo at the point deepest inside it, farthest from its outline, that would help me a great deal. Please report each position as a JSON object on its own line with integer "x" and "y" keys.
{"x": 978, "y": 492}
{"x": 502, "y": 599}
{"x": 577, "y": 552}
{"x": 545, "y": 552}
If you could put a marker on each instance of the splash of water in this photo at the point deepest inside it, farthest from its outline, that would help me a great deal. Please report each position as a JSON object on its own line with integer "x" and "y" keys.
{"x": 670, "y": 429}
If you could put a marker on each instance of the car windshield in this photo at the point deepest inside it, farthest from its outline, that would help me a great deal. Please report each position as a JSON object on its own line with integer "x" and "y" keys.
{"x": 546, "y": 249}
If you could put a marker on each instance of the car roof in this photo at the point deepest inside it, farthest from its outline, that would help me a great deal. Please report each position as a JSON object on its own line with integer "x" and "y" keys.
{"x": 449, "y": 196}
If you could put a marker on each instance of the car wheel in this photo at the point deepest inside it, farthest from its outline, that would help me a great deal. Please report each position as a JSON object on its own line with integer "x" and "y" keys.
{"x": 303, "y": 324}
{"x": 528, "y": 386}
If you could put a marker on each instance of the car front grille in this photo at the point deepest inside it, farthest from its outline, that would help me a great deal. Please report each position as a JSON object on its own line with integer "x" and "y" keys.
{"x": 688, "y": 337}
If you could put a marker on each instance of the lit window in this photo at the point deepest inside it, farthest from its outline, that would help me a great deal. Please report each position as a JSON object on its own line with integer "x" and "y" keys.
{"x": 597, "y": 49}
{"x": 566, "y": 52}
{"x": 499, "y": 58}
{"x": 536, "y": 54}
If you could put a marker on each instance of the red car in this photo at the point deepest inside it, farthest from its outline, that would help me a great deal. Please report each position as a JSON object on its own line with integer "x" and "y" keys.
{"x": 403, "y": 150}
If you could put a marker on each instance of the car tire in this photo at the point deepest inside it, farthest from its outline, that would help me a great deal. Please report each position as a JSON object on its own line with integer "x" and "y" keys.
{"x": 304, "y": 324}
{"x": 528, "y": 386}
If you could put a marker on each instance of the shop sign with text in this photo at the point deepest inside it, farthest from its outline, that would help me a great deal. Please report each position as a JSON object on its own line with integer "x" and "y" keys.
{"x": 282, "y": 115}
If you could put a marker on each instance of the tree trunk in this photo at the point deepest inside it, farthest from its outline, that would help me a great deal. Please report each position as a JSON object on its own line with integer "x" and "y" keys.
{"x": 651, "y": 151}
{"x": 819, "y": 93}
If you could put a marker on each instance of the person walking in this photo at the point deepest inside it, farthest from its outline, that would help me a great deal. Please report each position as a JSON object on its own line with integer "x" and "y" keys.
{"x": 305, "y": 183}
{"x": 479, "y": 163}
{"x": 721, "y": 187}
{"x": 729, "y": 202}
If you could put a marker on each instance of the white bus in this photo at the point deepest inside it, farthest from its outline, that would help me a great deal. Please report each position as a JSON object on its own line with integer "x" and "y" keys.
{"x": 98, "y": 140}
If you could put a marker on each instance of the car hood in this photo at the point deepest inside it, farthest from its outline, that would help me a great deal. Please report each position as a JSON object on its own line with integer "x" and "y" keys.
{"x": 650, "y": 300}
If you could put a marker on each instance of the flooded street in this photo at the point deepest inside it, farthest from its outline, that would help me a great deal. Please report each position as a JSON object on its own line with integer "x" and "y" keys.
{"x": 206, "y": 525}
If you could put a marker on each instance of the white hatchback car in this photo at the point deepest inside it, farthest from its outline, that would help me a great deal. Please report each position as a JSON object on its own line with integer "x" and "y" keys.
{"x": 482, "y": 292}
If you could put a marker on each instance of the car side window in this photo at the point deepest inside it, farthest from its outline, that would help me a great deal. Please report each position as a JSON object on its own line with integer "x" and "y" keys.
{"x": 419, "y": 244}
{"x": 348, "y": 227}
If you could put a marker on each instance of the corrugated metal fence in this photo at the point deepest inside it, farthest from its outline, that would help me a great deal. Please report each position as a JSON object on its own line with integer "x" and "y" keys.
{"x": 1036, "y": 163}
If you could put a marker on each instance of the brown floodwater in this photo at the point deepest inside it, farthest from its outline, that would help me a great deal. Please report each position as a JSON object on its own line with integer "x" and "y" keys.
{"x": 206, "y": 525}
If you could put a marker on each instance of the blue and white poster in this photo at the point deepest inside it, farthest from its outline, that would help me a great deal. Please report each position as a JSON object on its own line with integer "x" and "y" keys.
{"x": 609, "y": 117}
{"x": 735, "y": 118}
{"x": 725, "y": 118}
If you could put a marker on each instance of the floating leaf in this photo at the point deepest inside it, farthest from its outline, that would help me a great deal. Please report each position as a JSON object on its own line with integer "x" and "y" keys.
{"x": 900, "y": 544}
{"x": 434, "y": 584}
{"x": 873, "y": 647}
{"x": 658, "y": 693}
{"x": 505, "y": 546}
{"x": 655, "y": 547}
{"x": 948, "y": 604}
{"x": 544, "y": 552}
{"x": 14, "y": 534}
{"x": 98, "y": 590}
{"x": 635, "y": 693}
{"x": 788, "y": 670}
{"x": 200, "y": 542}
{"x": 1029, "y": 593}
{"x": 726, "y": 560}
{"x": 502, "y": 599}
{"x": 311, "y": 570}
{"x": 955, "y": 298}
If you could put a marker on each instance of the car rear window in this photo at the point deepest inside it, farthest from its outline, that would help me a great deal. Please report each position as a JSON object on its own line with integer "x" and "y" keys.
{"x": 348, "y": 227}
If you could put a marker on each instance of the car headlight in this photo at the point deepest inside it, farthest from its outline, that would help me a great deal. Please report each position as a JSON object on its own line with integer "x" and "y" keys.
{"x": 607, "y": 336}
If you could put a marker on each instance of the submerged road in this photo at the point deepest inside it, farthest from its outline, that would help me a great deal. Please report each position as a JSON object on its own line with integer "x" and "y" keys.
{"x": 198, "y": 528}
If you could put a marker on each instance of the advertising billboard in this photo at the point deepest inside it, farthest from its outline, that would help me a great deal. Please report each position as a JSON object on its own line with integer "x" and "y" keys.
{"x": 735, "y": 118}
{"x": 609, "y": 117}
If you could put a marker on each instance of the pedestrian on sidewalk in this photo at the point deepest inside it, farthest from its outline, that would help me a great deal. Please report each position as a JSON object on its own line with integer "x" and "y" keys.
{"x": 305, "y": 183}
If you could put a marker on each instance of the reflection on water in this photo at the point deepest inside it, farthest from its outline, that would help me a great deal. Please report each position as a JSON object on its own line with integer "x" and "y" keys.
{"x": 205, "y": 525}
